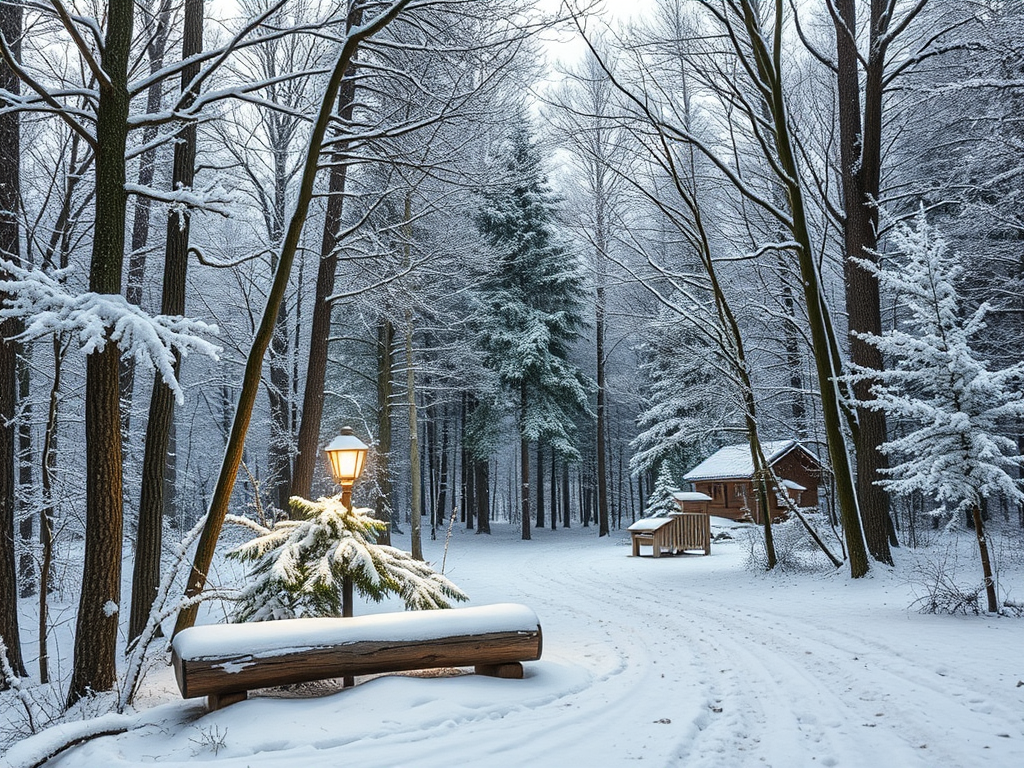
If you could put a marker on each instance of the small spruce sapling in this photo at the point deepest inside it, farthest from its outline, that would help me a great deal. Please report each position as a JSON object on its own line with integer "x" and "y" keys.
{"x": 957, "y": 409}
{"x": 661, "y": 501}
{"x": 299, "y": 564}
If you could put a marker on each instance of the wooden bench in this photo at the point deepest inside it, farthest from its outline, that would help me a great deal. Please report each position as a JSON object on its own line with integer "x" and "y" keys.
{"x": 676, "y": 532}
{"x": 225, "y": 661}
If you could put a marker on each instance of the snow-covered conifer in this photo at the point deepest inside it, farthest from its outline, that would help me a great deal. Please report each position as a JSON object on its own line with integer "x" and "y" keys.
{"x": 661, "y": 501}
{"x": 956, "y": 450}
{"x": 299, "y": 565}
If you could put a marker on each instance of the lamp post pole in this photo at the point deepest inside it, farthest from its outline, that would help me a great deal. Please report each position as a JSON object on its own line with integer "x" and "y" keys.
{"x": 346, "y": 454}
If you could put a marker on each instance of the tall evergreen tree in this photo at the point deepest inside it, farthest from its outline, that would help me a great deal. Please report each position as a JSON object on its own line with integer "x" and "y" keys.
{"x": 531, "y": 308}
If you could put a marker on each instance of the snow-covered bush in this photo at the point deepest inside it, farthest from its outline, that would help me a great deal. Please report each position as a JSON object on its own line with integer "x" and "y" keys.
{"x": 299, "y": 565}
{"x": 795, "y": 550}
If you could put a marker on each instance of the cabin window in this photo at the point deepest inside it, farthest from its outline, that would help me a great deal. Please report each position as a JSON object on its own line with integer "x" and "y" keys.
{"x": 718, "y": 493}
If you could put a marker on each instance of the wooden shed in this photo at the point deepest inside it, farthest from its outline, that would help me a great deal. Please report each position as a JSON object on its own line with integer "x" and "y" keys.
{"x": 727, "y": 477}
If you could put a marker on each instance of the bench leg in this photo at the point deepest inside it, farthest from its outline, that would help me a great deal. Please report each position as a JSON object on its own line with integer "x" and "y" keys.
{"x": 636, "y": 547}
{"x": 512, "y": 671}
{"x": 218, "y": 701}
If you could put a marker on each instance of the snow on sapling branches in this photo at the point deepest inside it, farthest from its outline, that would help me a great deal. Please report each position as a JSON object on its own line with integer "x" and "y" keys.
{"x": 46, "y": 307}
{"x": 661, "y": 501}
{"x": 956, "y": 450}
{"x": 299, "y": 565}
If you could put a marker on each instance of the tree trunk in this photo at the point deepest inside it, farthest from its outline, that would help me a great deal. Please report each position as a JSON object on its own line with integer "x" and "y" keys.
{"x": 482, "y": 483}
{"x": 565, "y": 495}
{"x": 986, "y": 563}
{"x": 148, "y": 548}
{"x": 860, "y": 145}
{"x": 385, "y": 380}
{"x": 10, "y": 248}
{"x": 307, "y": 448}
{"x": 48, "y": 463}
{"x": 416, "y": 506}
{"x": 823, "y": 342}
{"x": 524, "y": 485}
{"x": 540, "y": 484}
{"x": 95, "y": 667}
{"x": 602, "y": 416}
{"x": 155, "y": 48}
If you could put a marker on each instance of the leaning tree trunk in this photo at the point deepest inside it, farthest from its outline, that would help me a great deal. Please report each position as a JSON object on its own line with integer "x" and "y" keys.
{"x": 828, "y": 365}
{"x": 10, "y": 195}
{"x": 254, "y": 363}
{"x": 95, "y": 667}
{"x": 146, "y": 573}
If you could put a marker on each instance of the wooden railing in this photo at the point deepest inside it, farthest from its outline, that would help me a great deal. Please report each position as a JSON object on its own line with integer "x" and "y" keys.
{"x": 678, "y": 532}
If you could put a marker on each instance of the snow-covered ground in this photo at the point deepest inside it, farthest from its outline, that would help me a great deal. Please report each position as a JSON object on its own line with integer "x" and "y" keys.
{"x": 681, "y": 661}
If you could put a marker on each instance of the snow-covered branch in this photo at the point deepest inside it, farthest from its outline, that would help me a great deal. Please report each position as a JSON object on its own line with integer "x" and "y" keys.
{"x": 47, "y": 307}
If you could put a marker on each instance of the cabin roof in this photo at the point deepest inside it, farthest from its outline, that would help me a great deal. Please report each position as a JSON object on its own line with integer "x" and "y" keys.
{"x": 690, "y": 496}
{"x": 733, "y": 461}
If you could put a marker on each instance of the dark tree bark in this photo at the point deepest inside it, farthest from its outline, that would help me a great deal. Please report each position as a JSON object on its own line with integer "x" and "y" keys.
{"x": 540, "y": 483}
{"x": 146, "y": 573}
{"x": 23, "y": 461}
{"x": 986, "y": 563}
{"x": 554, "y": 491}
{"x": 10, "y": 195}
{"x": 566, "y": 512}
{"x": 860, "y": 149}
{"x": 482, "y": 484}
{"x": 94, "y": 666}
{"x": 524, "y": 485}
{"x": 316, "y": 369}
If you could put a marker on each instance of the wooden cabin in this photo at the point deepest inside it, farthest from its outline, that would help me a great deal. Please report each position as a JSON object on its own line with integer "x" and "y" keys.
{"x": 727, "y": 477}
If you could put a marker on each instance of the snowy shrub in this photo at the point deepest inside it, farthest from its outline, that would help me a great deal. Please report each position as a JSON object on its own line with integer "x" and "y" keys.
{"x": 935, "y": 581}
{"x": 299, "y": 565}
{"x": 795, "y": 550}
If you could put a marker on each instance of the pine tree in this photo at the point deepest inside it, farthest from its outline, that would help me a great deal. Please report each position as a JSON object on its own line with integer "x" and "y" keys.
{"x": 299, "y": 565}
{"x": 661, "y": 501}
{"x": 958, "y": 453}
{"x": 531, "y": 308}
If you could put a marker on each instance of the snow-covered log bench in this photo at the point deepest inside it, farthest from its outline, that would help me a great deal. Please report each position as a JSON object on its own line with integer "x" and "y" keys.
{"x": 677, "y": 532}
{"x": 225, "y": 661}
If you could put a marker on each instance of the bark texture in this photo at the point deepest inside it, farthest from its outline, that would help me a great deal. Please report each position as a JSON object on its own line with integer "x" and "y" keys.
{"x": 146, "y": 573}
{"x": 10, "y": 192}
{"x": 860, "y": 145}
{"x": 95, "y": 656}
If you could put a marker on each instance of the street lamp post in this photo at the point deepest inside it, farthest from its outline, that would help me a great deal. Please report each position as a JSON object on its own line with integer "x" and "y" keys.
{"x": 346, "y": 454}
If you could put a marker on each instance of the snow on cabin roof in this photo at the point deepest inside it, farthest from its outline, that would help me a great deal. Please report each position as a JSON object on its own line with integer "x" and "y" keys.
{"x": 690, "y": 496}
{"x": 793, "y": 486}
{"x": 734, "y": 461}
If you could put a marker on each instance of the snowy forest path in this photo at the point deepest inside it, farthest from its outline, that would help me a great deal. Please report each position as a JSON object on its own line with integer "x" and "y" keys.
{"x": 680, "y": 661}
{"x": 687, "y": 679}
